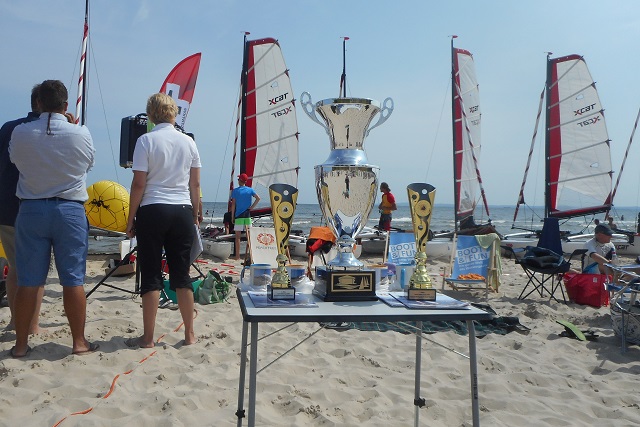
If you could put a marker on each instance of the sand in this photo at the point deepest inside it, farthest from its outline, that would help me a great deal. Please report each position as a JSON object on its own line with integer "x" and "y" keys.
{"x": 341, "y": 378}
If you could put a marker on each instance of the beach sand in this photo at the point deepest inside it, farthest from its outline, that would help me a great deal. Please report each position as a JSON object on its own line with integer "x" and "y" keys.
{"x": 335, "y": 378}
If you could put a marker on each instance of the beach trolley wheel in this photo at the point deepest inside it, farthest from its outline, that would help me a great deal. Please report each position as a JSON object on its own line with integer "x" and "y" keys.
{"x": 4, "y": 272}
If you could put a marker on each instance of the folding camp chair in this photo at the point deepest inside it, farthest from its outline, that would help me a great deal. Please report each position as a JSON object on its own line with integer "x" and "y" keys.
{"x": 474, "y": 266}
{"x": 545, "y": 264}
{"x": 136, "y": 291}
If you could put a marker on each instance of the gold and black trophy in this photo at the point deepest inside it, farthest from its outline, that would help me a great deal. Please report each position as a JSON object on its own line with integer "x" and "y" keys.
{"x": 421, "y": 197}
{"x": 283, "y": 204}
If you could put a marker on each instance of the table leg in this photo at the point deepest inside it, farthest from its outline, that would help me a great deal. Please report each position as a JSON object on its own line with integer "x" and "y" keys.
{"x": 417, "y": 401}
{"x": 243, "y": 369}
{"x": 473, "y": 373}
{"x": 253, "y": 368}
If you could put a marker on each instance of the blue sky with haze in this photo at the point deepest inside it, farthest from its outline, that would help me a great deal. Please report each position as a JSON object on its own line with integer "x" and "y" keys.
{"x": 396, "y": 49}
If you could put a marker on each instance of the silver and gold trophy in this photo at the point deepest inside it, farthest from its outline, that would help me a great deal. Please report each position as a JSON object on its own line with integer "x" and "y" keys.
{"x": 283, "y": 205}
{"x": 346, "y": 186}
{"x": 421, "y": 198}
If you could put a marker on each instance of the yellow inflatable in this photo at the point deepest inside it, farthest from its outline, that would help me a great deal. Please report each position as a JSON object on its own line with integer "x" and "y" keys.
{"x": 108, "y": 206}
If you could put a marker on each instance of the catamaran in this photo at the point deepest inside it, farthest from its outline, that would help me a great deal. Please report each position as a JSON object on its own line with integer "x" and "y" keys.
{"x": 466, "y": 125}
{"x": 268, "y": 128}
{"x": 578, "y": 173}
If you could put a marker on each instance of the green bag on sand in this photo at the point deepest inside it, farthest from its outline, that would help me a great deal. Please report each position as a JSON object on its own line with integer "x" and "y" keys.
{"x": 213, "y": 289}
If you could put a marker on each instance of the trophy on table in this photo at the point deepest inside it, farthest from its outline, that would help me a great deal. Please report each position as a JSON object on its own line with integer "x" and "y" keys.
{"x": 283, "y": 205}
{"x": 421, "y": 197}
{"x": 346, "y": 186}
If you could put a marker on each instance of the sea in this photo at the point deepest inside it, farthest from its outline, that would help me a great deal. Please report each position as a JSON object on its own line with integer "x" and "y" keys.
{"x": 309, "y": 215}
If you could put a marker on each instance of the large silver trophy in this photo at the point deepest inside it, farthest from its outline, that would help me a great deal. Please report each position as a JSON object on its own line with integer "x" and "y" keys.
{"x": 347, "y": 186}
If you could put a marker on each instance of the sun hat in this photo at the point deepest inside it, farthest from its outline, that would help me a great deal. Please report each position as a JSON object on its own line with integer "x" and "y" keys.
{"x": 243, "y": 177}
{"x": 604, "y": 229}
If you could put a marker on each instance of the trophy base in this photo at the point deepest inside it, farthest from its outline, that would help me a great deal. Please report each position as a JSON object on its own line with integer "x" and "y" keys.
{"x": 276, "y": 294}
{"x": 345, "y": 285}
{"x": 414, "y": 294}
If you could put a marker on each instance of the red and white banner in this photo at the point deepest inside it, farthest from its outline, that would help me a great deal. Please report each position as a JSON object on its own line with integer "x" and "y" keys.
{"x": 181, "y": 83}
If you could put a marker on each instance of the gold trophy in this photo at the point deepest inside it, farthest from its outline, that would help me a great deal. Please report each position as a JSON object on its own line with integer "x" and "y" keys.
{"x": 283, "y": 204}
{"x": 421, "y": 197}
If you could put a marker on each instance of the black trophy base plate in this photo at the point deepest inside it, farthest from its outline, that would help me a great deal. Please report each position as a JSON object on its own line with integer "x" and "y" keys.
{"x": 345, "y": 285}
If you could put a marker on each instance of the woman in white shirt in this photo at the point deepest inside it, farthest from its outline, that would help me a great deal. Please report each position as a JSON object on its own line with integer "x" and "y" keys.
{"x": 164, "y": 204}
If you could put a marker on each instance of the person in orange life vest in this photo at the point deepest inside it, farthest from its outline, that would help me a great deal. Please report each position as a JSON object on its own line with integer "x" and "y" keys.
{"x": 385, "y": 207}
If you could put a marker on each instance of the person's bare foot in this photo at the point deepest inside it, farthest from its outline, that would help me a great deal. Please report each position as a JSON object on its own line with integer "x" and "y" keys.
{"x": 190, "y": 340}
{"x": 138, "y": 343}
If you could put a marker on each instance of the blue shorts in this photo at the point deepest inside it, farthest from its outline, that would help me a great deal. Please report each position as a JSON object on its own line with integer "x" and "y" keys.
{"x": 51, "y": 223}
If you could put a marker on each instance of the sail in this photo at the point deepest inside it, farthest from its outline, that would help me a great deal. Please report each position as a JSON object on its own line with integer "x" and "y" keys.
{"x": 181, "y": 83}
{"x": 466, "y": 133}
{"x": 578, "y": 160}
{"x": 269, "y": 144}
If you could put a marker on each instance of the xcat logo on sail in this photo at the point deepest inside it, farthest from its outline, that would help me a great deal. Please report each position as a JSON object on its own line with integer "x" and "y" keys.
{"x": 579, "y": 111}
{"x": 277, "y": 99}
{"x": 591, "y": 121}
{"x": 282, "y": 112}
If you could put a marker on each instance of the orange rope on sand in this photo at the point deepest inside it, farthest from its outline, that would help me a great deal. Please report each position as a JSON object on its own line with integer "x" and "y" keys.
{"x": 115, "y": 379}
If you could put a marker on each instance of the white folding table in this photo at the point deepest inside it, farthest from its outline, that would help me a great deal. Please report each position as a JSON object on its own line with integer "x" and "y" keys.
{"x": 352, "y": 311}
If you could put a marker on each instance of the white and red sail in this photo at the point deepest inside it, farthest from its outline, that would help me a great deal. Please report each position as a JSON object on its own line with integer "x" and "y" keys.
{"x": 466, "y": 135}
{"x": 269, "y": 128}
{"x": 578, "y": 159}
{"x": 180, "y": 84}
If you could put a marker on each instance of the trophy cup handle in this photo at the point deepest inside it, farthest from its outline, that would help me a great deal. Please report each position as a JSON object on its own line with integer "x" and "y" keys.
{"x": 309, "y": 109}
{"x": 385, "y": 113}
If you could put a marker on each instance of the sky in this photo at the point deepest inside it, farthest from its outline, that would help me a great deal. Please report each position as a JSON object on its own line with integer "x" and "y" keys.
{"x": 396, "y": 49}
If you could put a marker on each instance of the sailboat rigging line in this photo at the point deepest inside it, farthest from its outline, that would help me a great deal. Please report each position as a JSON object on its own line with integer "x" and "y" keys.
{"x": 526, "y": 169}
{"x": 435, "y": 138}
{"x": 104, "y": 112}
{"x": 624, "y": 159}
{"x": 226, "y": 150}
{"x": 267, "y": 83}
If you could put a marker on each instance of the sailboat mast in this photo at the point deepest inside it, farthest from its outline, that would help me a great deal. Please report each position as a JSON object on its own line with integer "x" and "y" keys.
{"x": 240, "y": 123}
{"x": 343, "y": 77}
{"x": 547, "y": 139}
{"x": 81, "y": 103}
{"x": 456, "y": 199}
